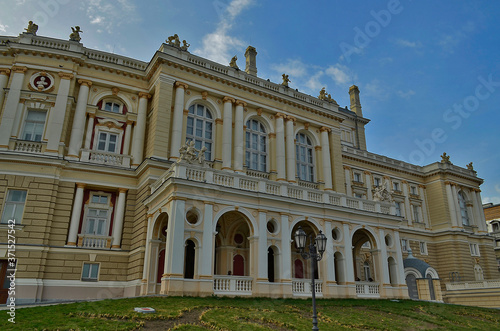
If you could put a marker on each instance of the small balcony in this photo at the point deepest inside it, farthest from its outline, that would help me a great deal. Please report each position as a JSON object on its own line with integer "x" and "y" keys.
{"x": 233, "y": 285}
{"x": 303, "y": 288}
{"x": 94, "y": 242}
{"x": 113, "y": 159}
{"x": 367, "y": 290}
{"x": 26, "y": 146}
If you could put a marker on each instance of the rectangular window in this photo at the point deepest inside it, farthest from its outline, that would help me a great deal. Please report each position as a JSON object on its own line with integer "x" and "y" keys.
{"x": 413, "y": 190}
{"x": 398, "y": 208}
{"x": 423, "y": 248}
{"x": 357, "y": 177}
{"x": 416, "y": 215}
{"x": 14, "y": 206}
{"x": 33, "y": 126}
{"x": 90, "y": 272}
{"x": 474, "y": 250}
{"x": 107, "y": 142}
{"x": 377, "y": 182}
{"x": 395, "y": 186}
{"x": 404, "y": 245}
{"x": 357, "y": 195}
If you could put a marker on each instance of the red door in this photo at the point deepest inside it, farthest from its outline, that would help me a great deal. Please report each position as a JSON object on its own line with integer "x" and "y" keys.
{"x": 161, "y": 265}
{"x": 238, "y": 265}
{"x": 4, "y": 282}
{"x": 299, "y": 269}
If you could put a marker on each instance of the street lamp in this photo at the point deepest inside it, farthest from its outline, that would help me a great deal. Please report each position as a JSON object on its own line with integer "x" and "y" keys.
{"x": 316, "y": 250}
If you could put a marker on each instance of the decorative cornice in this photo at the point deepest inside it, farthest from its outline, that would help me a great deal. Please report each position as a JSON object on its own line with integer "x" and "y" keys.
{"x": 181, "y": 85}
{"x": 228, "y": 99}
{"x": 19, "y": 70}
{"x": 65, "y": 75}
{"x": 85, "y": 82}
{"x": 144, "y": 95}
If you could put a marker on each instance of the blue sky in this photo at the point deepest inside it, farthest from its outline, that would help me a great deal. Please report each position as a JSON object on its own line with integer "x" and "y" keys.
{"x": 428, "y": 71}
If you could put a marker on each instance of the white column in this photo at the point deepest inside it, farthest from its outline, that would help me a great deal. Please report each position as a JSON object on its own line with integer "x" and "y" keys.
{"x": 128, "y": 135}
{"x": 119, "y": 217}
{"x": 239, "y": 149}
{"x": 280, "y": 147}
{"x": 207, "y": 253}
{"x": 408, "y": 213}
{"x": 481, "y": 222}
{"x": 349, "y": 262}
{"x": 174, "y": 252}
{"x": 348, "y": 188}
{"x": 451, "y": 205}
{"x": 227, "y": 133}
{"x": 424, "y": 205}
{"x": 75, "y": 142}
{"x": 290, "y": 150}
{"x": 325, "y": 150}
{"x": 399, "y": 255}
{"x": 140, "y": 129}
{"x": 384, "y": 265}
{"x": 57, "y": 115}
{"x": 11, "y": 104}
{"x": 17, "y": 119}
{"x": 286, "y": 249}
{"x": 454, "y": 191}
{"x": 329, "y": 253}
{"x": 90, "y": 129}
{"x": 4, "y": 79}
{"x": 177, "y": 120}
{"x": 75, "y": 215}
{"x": 147, "y": 252}
{"x": 262, "y": 249}
{"x": 368, "y": 179}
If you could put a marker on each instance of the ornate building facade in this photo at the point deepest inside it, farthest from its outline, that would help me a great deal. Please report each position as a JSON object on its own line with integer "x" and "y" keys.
{"x": 182, "y": 176}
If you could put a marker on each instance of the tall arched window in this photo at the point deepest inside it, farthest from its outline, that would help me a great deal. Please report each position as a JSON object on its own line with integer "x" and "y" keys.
{"x": 200, "y": 128}
{"x": 256, "y": 146}
{"x": 463, "y": 208}
{"x": 304, "y": 157}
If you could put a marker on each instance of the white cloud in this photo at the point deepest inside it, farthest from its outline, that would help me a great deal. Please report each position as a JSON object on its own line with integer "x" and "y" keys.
{"x": 294, "y": 68}
{"x": 3, "y": 28}
{"x": 218, "y": 45}
{"x": 314, "y": 83}
{"x": 107, "y": 15}
{"x": 407, "y": 43}
{"x": 340, "y": 74}
{"x": 406, "y": 94}
{"x": 493, "y": 200}
{"x": 376, "y": 89}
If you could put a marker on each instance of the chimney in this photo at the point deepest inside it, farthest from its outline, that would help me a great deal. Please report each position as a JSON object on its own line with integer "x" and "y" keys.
{"x": 251, "y": 55}
{"x": 355, "y": 103}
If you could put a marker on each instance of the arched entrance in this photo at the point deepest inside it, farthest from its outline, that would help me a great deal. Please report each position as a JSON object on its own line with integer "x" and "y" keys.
{"x": 272, "y": 264}
{"x": 411, "y": 282}
{"x": 364, "y": 248}
{"x": 339, "y": 263}
{"x": 189, "y": 259}
{"x": 157, "y": 244}
{"x": 232, "y": 246}
{"x": 301, "y": 267}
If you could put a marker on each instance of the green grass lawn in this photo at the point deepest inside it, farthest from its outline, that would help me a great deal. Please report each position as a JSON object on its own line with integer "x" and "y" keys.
{"x": 185, "y": 313}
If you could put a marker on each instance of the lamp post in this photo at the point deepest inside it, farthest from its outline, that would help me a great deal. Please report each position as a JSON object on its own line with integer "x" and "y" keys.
{"x": 316, "y": 250}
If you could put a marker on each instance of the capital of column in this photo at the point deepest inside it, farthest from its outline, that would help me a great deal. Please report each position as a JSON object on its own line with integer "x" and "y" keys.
{"x": 421, "y": 186}
{"x": 404, "y": 182}
{"x": 130, "y": 122}
{"x": 272, "y": 135}
{"x": 5, "y": 72}
{"x": 324, "y": 128}
{"x": 65, "y": 75}
{"x": 317, "y": 148}
{"x": 387, "y": 177}
{"x": 346, "y": 167}
{"x": 145, "y": 95}
{"x": 366, "y": 172}
{"x": 280, "y": 115}
{"x": 80, "y": 185}
{"x": 219, "y": 121}
{"x": 185, "y": 111}
{"x": 19, "y": 70}
{"x": 122, "y": 190}
{"x": 181, "y": 85}
{"x": 291, "y": 118}
{"x": 228, "y": 99}
{"x": 240, "y": 103}
{"x": 91, "y": 115}
{"x": 85, "y": 82}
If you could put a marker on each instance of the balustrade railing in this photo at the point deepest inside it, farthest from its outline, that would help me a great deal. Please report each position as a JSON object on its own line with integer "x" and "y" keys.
{"x": 233, "y": 285}
{"x": 90, "y": 241}
{"x": 302, "y": 287}
{"x": 28, "y": 146}
{"x": 107, "y": 158}
{"x": 367, "y": 290}
{"x": 473, "y": 285}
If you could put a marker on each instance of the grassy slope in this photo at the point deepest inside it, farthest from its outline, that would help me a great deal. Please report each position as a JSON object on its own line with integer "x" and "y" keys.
{"x": 254, "y": 314}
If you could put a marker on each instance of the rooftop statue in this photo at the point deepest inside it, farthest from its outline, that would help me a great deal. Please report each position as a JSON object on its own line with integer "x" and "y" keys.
{"x": 286, "y": 80}
{"x": 445, "y": 158}
{"x": 75, "y": 35}
{"x": 32, "y": 28}
{"x": 185, "y": 45}
{"x": 322, "y": 94}
{"x": 470, "y": 167}
{"x": 233, "y": 64}
{"x": 174, "y": 41}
